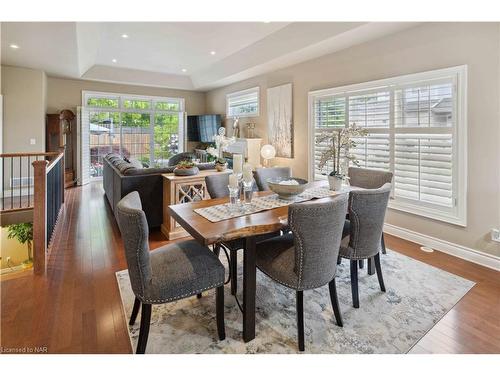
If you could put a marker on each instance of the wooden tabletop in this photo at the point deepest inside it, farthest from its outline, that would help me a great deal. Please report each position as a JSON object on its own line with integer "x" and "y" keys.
{"x": 207, "y": 232}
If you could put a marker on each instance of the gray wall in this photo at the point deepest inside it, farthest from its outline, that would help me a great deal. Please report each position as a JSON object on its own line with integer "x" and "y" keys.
{"x": 424, "y": 47}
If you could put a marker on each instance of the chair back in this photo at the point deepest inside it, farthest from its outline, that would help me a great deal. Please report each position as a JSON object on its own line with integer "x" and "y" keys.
{"x": 368, "y": 178}
{"x": 217, "y": 185}
{"x": 134, "y": 229}
{"x": 264, "y": 174}
{"x": 317, "y": 231}
{"x": 366, "y": 214}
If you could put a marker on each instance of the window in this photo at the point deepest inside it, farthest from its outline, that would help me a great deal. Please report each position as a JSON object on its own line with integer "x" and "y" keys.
{"x": 243, "y": 103}
{"x": 417, "y": 129}
{"x": 149, "y": 129}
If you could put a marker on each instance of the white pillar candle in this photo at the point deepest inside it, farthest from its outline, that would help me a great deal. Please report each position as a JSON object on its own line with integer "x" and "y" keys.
{"x": 237, "y": 163}
{"x": 233, "y": 181}
{"x": 247, "y": 172}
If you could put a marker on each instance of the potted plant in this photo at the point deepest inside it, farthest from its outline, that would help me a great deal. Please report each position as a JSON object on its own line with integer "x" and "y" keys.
{"x": 339, "y": 143}
{"x": 221, "y": 143}
{"x": 186, "y": 168}
{"x": 23, "y": 232}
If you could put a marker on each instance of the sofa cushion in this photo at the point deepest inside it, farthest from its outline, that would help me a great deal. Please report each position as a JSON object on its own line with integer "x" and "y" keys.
{"x": 136, "y": 163}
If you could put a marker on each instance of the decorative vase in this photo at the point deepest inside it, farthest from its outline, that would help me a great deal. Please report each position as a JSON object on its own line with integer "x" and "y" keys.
{"x": 335, "y": 183}
{"x": 220, "y": 167}
{"x": 186, "y": 171}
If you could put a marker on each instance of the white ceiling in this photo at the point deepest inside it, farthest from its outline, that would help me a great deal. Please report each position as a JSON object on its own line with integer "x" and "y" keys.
{"x": 155, "y": 53}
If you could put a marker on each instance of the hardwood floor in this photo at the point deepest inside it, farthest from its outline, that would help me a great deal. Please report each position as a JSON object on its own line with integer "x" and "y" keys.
{"x": 76, "y": 307}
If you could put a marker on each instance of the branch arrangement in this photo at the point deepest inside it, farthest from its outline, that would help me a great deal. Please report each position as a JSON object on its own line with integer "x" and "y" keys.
{"x": 340, "y": 141}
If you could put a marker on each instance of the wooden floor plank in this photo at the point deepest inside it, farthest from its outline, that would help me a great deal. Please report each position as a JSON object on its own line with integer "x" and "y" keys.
{"x": 76, "y": 307}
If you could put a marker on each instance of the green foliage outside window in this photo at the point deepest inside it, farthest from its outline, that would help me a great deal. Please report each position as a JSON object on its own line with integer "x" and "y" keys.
{"x": 102, "y": 102}
{"x": 166, "y": 106}
{"x": 137, "y": 104}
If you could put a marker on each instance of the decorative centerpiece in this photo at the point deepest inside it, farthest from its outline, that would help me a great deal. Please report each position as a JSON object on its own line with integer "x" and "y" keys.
{"x": 221, "y": 144}
{"x": 287, "y": 189}
{"x": 339, "y": 143}
{"x": 186, "y": 168}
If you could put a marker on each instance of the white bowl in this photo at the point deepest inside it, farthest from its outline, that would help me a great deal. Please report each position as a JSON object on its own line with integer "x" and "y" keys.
{"x": 287, "y": 191}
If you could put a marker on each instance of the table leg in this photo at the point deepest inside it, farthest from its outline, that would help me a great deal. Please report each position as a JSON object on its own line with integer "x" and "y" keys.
{"x": 249, "y": 281}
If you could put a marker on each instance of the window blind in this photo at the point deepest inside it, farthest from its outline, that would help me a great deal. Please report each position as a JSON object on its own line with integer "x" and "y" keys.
{"x": 412, "y": 125}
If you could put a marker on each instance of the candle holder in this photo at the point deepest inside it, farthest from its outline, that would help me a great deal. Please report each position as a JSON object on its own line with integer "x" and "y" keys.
{"x": 234, "y": 197}
{"x": 247, "y": 194}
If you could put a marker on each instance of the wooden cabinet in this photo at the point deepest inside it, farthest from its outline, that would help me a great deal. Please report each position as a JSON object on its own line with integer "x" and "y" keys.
{"x": 182, "y": 189}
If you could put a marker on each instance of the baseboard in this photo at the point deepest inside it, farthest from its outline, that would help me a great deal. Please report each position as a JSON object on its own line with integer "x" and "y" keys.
{"x": 459, "y": 251}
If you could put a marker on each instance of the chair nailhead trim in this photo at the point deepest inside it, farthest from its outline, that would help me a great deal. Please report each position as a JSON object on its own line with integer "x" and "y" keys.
{"x": 181, "y": 296}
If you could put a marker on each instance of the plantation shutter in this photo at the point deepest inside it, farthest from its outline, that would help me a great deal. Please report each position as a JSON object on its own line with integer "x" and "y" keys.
{"x": 423, "y": 144}
{"x": 329, "y": 115}
{"x": 413, "y": 126}
{"x": 371, "y": 110}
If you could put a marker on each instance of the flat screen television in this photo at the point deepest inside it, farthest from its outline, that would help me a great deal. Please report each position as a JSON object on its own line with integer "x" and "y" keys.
{"x": 202, "y": 128}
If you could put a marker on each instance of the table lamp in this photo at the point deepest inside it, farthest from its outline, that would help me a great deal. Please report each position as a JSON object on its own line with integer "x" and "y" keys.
{"x": 267, "y": 152}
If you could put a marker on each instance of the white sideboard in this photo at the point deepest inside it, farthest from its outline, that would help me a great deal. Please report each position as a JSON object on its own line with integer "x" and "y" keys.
{"x": 249, "y": 148}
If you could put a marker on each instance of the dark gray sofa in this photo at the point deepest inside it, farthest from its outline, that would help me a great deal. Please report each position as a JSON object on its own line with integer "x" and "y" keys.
{"x": 121, "y": 177}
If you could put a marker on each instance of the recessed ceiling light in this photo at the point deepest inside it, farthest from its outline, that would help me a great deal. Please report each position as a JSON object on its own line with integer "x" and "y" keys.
{"x": 114, "y": 60}
{"x": 124, "y": 36}
{"x": 14, "y": 46}
{"x": 184, "y": 70}
{"x": 212, "y": 53}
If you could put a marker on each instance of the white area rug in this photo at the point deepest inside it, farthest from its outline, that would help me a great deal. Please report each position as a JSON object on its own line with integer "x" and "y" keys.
{"x": 417, "y": 297}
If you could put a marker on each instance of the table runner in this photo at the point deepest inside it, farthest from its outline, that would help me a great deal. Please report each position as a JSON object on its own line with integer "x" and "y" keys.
{"x": 225, "y": 211}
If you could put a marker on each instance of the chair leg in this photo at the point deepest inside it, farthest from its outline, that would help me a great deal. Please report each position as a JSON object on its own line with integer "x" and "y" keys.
{"x": 300, "y": 318}
{"x": 234, "y": 271}
{"x": 361, "y": 263}
{"x": 339, "y": 260}
{"x": 135, "y": 311}
{"x": 379, "y": 272}
{"x": 219, "y": 312}
{"x": 335, "y": 303}
{"x": 217, "y": 250}
{"x": 382, "y": 243}
{"x": 354, "y": 283}
{"x": 144, "y": 330}
{"x": 371, "y": 271}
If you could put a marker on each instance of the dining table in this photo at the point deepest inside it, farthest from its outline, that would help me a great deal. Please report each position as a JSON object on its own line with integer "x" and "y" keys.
{"x": 247, "y": 227}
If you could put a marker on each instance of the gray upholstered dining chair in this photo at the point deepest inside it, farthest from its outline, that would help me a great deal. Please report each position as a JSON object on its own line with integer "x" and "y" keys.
{"x": 306, "y": 258}
{"x": 364, "y": 229}
{"x": 166, "y": 274}
{"x": 264, "y": 174}
{"x": 369, "y": 179}
{"x": 217, "y": 187}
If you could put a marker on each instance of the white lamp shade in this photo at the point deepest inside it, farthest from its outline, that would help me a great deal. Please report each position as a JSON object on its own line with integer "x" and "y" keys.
{"x": 268, "y": 152}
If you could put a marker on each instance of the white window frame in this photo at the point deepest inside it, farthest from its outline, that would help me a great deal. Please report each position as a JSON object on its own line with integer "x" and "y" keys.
{"x": 152, "y": 111}
{"x": 240, "y": 93}
{"x": 458, "y": 214}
